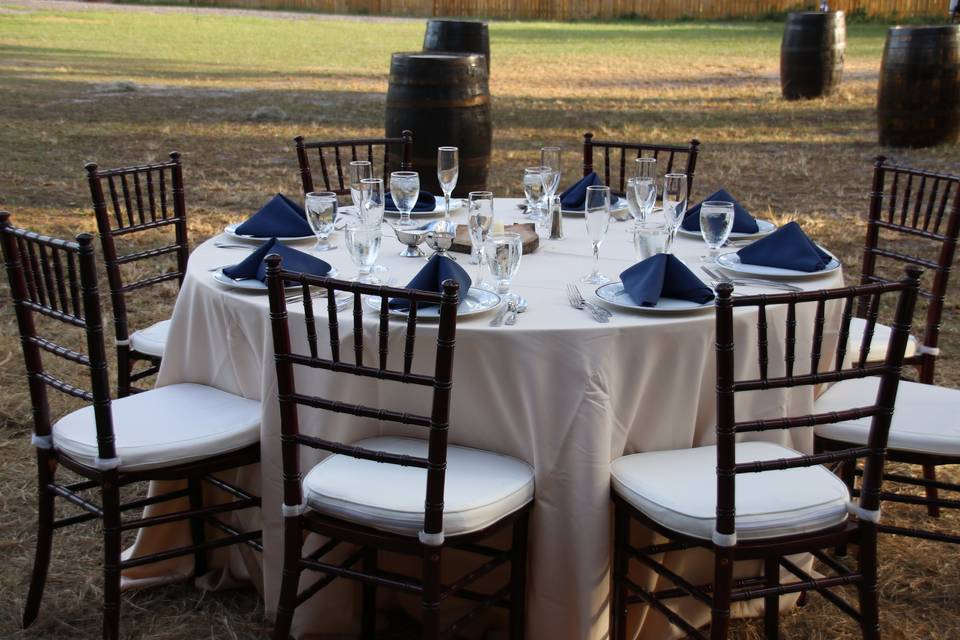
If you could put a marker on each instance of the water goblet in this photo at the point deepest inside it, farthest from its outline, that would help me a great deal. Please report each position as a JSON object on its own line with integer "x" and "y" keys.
{"x": 649, "y": 238}
{"x": 321, "y": 210}
{"x": 597, "y": 217}
{"x": 480, "y": 221}
{"x": 405, "y": 189}
{"x": 363, "y": 245}
{"x": 359, "y": 169}
{"x": 716, "y": 222}
{"x": 674, "y": 204}
{"x": 503, "y": 252}
{"x": 448, "y": 169}
{"x": 533, "y": 189}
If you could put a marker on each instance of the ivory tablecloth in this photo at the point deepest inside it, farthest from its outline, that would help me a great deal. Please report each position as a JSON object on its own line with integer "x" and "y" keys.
{"x": 558, "y": 390}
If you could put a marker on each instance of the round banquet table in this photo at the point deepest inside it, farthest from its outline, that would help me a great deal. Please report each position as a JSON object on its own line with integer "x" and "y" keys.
{"x": 558, "y": 390}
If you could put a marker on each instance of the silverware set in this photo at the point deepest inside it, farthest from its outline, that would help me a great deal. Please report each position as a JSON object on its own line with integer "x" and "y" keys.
{"x": 577, "y": 301}
{"x": 718, "y": 277}
{"x": 343, "y": 301}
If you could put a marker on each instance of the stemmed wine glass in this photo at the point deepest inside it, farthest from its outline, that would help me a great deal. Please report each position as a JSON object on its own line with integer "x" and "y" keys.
{"x": 533, "y": 189}
{"x": 503, "y": 252}
{"x": 359, "y": 169}
{"x": 597, "y": 216}
{"x": 480, "y": 219}
{"x": 550, "y": 162}
{"x": 448, "y": 169}
{"x": 674, "y": 204}
{"x": 405, "y": 189}
{"x": 645, "y": 186}
{"x": 716, "y": 223}
{"x": 321, "y": 210}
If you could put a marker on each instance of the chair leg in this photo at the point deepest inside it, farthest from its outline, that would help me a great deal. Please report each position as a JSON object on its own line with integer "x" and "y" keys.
{"x": 722, "y": 587}
{"x": 518, "y": 578}
{"x": 848, "y": 469}
{"x": 930, "y": 473}
{"x": 430, "y": 602}
{"x": 197, "y": 532}
{"x": 290, "y": 579}
{"x": 618, "y": 604}
{"x": 111, "y": 557}
{"x": 124, "y": 367}
{"x": 771, "y": 604}
{"x": 368, "y": 622}
{"x": 869, "y": 606}
{"x": 41, "y": 560}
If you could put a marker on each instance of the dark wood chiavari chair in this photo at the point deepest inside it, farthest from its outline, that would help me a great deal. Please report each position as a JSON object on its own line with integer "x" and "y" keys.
{"x": 339, "y": 497}
{"x": 910, "y": 210}
{"x": 335, "y": 157}
{"x": 141, "y": 199}
{"x": 113, "y": 444}
{"x": 797, "y": 506}
{"x": 675, "y": 155}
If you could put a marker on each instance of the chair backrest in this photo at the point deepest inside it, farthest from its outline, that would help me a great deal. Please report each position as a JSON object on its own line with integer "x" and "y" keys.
{"x": 441, "y": 379}
{"x": 335, "y": 157}
{"x": 141, "y": 198}
{"x": 670, "y": 159}
{"x": 918, "y": 209}
{"x": 58, "y": 279}
{"x": 821, "y": 371}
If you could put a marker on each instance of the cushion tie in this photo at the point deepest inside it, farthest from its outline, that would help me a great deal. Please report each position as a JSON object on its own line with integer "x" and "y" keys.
{"x": 431, "y": 539}
{"x": 869, "y": 515}
{"x": 724, "y": 539}
{"x": 41, "y": 442}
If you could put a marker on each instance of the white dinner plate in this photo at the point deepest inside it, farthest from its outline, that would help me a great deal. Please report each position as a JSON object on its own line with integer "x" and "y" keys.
{"x": 231, "y": 230}
{"x": 578, "y": 213}
{"x": 476, "y": 301}
{"x": 455, "y": 203}
{"x": 765, "y": 228}
{"x": 615, "y": 294}
{"x": 250, "y": 284}
{"x": 731, "y": 262}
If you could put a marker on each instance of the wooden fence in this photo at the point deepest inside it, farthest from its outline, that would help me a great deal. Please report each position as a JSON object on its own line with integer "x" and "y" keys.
{"x": 587, "y": 9}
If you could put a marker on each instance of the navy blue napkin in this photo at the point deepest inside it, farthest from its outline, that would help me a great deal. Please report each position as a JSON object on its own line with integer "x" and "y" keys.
{"x": 425, "y": 202}
{"x": 255, "y": 266}
{"x": 787, "y": 248}
{"x": 279, "y": 218}
{"x": 663, "y": 275}
{"x": 431, "y": 278}
{"x": 743, "y": 222}
{"x": 573, "y": 198}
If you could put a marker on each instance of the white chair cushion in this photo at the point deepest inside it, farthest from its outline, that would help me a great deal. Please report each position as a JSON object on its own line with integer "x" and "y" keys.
{"x": 878, "y": 345}
{"x": 481, "y": 488}
{"x": 678, "y": 489}
{"x": 152, "y": 340}
{"x": 165, "y": 426}
{"x": 926, "y": 418}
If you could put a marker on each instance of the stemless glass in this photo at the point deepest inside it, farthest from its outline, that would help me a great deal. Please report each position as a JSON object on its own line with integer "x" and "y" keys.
{"x": 649, "y": 238}
{"x": 533, "y": 189}
{"x": 503, "y": 252}
{"x": 405, "y": 189}
{"x": 716, "y": 222}
{"x": 363, "y": 245}
{"x": 646, "y": 184}
{"x": 597, "y": 216}
{"x": 633, "y": 203}
{"x": 321, "y": 210}
{"x": 480, "y": 221}
{"x": 372, "y": 205}
{"x": 359, "y": 169}
{"x": 550, "y": 161}
{"x": 448, "y": 169}
{"x": 674, "y": 204}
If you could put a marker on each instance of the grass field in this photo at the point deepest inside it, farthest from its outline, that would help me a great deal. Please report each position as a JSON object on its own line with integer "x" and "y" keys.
{"x": 199, "y": 75}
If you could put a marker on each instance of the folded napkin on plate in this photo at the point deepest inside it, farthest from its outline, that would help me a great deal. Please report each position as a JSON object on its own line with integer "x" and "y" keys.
{"x": 279, "y": 218}
{"x": 255, "y": 266}
{"x": 573, "y": 198}
{"x": 663, "y": 275}
{"x": 743, "y": 222}
{"x": 787, "y": 248}
{"x": 425, "y": 202}
{"x": 431, "y": 278}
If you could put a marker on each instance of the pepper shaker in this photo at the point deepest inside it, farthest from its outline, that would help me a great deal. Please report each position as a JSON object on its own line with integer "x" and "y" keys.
{"x": 556, "y": 219}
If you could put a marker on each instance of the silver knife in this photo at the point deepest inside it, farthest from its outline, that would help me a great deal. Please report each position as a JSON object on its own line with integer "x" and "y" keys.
{"x": 511, "y": 318}
{"x": 498, "y": 319}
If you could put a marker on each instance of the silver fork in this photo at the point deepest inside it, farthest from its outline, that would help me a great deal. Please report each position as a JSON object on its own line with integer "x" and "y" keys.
{"x": 577, "y": 302}
{"x": 227, "y": 245}
{"x": 773, "y": 284}
{"x": 593, "y": 307}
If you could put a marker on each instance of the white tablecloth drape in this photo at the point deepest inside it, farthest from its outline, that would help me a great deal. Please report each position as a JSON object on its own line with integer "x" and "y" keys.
{"x": 557, "y": 390}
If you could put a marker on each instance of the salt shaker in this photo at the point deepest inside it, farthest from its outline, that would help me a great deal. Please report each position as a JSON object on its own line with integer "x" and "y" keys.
{"x": 556, "y": 219}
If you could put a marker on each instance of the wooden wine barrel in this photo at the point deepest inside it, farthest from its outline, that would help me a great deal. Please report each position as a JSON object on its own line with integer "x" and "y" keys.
{"x": 812, "y": 53}
{"x": 918, "y": 104}
{"x": 444, "y": 98}
{"x": 458, "y": 36}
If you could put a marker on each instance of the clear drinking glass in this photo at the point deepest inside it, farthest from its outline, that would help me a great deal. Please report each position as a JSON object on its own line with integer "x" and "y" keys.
{"x": 550, "y": 161}
{"x": 321, "y": 210}
{"x": 633, "y": 202}
{"x": 372, "y": 202}
{"x": 480, "y": 221}
{"x": 533, "y": 189}
{"x": 405, "y": 189}
{"x": 674, "y": 204}
{"x": 646, "y": 184}
{"x": 448, "y": 169}
{"x": 359, "y": 169}
{"x": 363, "y": 245}
{"x": 597, "y": 216}
{"x": 649, "y": 238}
{"x": 716, "y": 222}
{"x": 503, "y": 252}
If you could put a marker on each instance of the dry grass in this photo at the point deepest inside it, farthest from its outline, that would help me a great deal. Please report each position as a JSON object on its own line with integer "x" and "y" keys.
{"x": 200, "y": 75}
